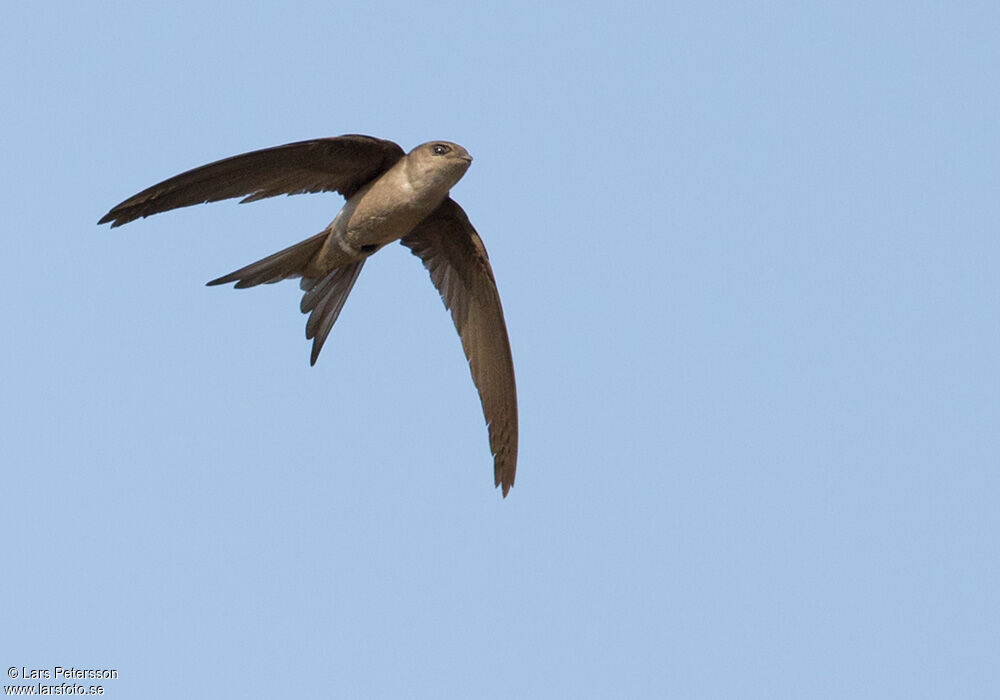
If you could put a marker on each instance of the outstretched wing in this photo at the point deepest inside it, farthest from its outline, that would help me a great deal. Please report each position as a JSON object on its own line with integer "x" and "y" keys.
{"x": 343, "y": 164}
{"x": 454, "y": 255}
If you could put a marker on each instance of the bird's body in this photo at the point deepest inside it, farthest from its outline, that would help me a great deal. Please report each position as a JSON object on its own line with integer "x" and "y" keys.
{"x": 390, "y": 196}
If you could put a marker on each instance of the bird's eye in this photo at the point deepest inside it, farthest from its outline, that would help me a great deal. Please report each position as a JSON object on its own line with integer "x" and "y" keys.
{"x": 440, "y": 149}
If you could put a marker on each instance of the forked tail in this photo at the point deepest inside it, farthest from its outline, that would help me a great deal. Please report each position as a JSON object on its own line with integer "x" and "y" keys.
{"x": 324, "y": 297}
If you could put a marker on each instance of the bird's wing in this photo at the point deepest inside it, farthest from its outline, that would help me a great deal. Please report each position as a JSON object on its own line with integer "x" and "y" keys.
{"x": 343, "y": 164}
{"x": 453, "y": 253}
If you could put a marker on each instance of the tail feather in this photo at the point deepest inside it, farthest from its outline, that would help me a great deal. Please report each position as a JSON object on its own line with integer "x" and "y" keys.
{"x": 323, "y": 301}
{"x": 324, "y": 297}
{"x": 284, "y": 264}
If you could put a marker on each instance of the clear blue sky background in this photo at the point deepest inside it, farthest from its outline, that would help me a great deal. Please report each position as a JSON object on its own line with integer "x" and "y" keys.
{"x": 748, "y": 254}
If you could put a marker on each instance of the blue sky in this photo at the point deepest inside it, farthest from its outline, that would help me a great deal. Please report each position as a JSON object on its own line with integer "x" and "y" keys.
{"x": 748, "y": 256}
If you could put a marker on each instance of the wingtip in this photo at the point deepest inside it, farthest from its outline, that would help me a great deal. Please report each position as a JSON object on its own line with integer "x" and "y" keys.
{"x": 225, "y": 279}
{"x": 117, "y": 218}
{"x": 506, "y": 485}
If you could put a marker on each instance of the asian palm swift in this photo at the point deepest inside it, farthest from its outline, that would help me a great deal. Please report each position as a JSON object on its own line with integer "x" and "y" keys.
{"x": 391, "y": 195}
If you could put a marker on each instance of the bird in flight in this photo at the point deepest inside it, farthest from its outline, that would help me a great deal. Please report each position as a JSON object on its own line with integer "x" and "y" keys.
{"x": 391, "y": 195}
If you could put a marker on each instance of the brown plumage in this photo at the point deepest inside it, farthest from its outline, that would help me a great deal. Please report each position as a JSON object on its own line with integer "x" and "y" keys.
{"x": 390, "y": 196}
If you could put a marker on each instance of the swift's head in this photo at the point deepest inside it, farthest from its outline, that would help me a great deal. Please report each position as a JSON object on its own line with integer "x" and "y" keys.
{"x": 441, "y": 162}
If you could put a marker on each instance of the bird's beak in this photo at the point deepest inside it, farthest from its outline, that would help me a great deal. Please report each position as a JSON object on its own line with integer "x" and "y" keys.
{"x": 467, "y": 158}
